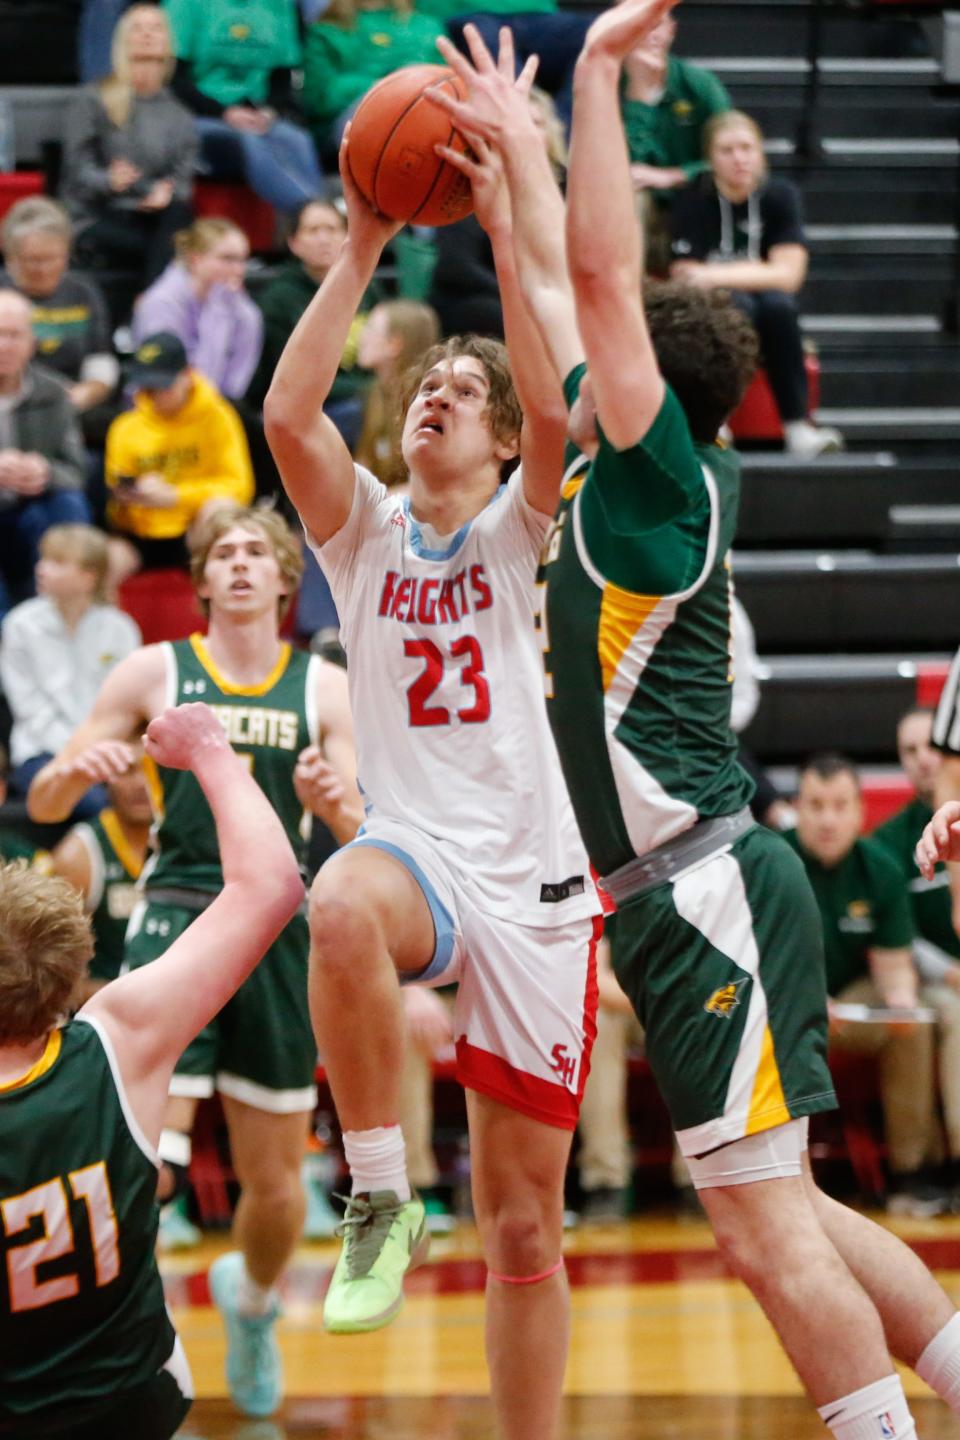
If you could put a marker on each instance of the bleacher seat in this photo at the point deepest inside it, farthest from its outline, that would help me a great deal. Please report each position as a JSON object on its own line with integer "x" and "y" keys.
{"x": 18, "y": 185}
{"x": 163, "y": 604}
{"x": 232, "y": 200}
{"x": 757, "y": 416}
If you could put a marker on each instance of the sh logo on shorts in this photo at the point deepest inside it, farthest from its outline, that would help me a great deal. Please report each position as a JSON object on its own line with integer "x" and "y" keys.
{"x": 724, "y": 1001}
{"x": 564, "y": 1065}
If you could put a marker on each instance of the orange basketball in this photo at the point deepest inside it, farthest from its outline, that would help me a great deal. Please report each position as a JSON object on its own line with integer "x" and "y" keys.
{"x": 392, "y": 159}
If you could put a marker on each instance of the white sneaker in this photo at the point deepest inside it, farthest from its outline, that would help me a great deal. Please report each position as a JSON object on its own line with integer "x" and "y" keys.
{"x": 806, "y": 441}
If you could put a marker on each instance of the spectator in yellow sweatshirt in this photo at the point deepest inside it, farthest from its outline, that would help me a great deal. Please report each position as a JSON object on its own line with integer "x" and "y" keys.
{"x": 180, "y": 451}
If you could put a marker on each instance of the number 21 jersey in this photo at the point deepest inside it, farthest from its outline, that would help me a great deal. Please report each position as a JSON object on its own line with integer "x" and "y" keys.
{"x": 447, "y": 696}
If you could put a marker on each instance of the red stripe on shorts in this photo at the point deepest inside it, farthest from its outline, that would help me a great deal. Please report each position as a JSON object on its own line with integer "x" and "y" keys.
{"x": 543, "y": 1100}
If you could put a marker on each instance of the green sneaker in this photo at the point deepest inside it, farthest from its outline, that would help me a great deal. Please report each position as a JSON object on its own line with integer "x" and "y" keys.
{"x": 383, "y": 1238}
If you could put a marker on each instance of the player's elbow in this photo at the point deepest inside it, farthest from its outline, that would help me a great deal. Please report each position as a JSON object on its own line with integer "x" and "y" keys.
{"x": 284, "y": 886}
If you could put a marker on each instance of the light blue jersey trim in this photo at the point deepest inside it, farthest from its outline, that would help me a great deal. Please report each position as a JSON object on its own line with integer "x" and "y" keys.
{"x": 416, "y": 534}
{"x": 443, "y": 926}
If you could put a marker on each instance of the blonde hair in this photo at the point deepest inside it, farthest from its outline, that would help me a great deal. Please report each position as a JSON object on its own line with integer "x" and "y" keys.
{"x": 45, "y": 945}
{"x": 344, "y": 12}
{"x": 378, "y": 448}
{"x": 37, "y": 215}
{"x": 84, "y": 544}
{"x": 273, "y": 527}
{"x": 116, "y": 92}
{"x": 201, "y": 237}
{"x": 554, "y": 134}
{"x": 733, "y": 120}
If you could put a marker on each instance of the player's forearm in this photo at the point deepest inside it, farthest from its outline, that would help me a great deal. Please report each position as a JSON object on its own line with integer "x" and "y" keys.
{"x": 535, "y": 379}
{"x": 603, "y": 237}
{"x": 311, "y": 357}
{"x": 54, "y": 793}
{"x": 946, "y": 788}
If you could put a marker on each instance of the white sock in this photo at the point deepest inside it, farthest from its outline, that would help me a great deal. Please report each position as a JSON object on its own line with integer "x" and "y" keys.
{"x": 254, "y": 1299}
{"x": 939, "y": 1365}
{"x": 876, "y": 1412}
{"x": 377, "y": 1160}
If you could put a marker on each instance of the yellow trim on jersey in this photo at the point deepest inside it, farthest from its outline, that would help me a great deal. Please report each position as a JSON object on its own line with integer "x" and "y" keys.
{"x": 125, "y": 852}
{"x": 199, "y": 647}
{"x": 768, "y": 1104}
{"x": 622, "y": 614}
{"x": 155, "y": 786}
{"x": 569, "y": 490}
{"x": 49, "y": 1058}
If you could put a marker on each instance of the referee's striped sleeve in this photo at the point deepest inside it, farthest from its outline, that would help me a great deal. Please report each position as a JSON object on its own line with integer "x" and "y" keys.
{"x": 946, "y": 724}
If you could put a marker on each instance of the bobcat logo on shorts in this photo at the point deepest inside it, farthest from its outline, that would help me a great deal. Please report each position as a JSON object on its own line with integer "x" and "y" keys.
{"x": 724, "y": 1001}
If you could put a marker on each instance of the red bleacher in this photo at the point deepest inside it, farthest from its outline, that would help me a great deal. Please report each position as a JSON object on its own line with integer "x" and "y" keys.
{"x": 18, "y": 185}
{"x": 232, "y": 200}
{"x": 757, "y": 416}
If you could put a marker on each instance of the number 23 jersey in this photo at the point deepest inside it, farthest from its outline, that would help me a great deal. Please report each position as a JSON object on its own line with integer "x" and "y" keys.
{"x": 447, "y": 695}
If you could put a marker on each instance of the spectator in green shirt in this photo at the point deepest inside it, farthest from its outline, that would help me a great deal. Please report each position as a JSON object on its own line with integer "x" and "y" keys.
{"x": 868, "y": 932}
{"x": 235, "y": 62}
{"x": 354, "y": 44}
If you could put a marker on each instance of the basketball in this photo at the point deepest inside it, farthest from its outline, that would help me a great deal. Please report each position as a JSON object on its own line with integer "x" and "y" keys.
{"x": 391, "y": 154}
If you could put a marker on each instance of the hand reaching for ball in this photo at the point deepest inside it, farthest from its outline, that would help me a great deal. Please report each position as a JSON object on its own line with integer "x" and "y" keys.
{"x": 365, "y": 226}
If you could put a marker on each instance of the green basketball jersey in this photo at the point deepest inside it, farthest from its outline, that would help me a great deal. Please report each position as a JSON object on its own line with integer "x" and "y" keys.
{"x": 114, "y": 870}
{"x": 82, "y": 1313}
{"x": 636, "y": 629}
{"x": 271, "y": 723}
{"x": 929, "y": 899}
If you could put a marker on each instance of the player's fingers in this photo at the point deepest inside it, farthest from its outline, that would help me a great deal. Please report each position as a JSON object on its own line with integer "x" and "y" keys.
{"x": 528, "y": 74}
{"x": 459, "y": 160}
{"x": 479, "y": 54}
{"x": 507, "y": 58}
{"x": 458, "y": 63}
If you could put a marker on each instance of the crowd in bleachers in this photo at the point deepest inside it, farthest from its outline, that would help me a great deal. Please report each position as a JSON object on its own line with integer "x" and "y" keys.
{"x": 128, "y": 412}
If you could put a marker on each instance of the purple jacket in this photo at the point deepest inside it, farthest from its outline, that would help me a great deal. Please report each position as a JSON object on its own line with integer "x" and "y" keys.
{"x": 223, "y": 334}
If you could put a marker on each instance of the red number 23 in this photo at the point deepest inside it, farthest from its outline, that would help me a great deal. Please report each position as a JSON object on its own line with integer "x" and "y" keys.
{"x": 431, "y": 676}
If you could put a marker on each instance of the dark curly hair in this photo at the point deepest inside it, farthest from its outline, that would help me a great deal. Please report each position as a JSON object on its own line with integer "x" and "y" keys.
{"x": 706, "y": 348}
{"x": 503, "y": 407}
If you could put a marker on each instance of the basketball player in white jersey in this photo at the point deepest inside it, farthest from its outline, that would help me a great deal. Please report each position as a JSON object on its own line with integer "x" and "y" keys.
{"x": 469, "y": 866}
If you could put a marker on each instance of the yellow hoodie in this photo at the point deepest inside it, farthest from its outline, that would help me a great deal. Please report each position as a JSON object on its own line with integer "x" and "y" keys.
{"x": 202, "y": 451}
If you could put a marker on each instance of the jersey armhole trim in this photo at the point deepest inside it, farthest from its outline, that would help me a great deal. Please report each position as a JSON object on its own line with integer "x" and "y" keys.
{"x": 133, "y": 1124}
{"x": 172, "y": 679}
{"x": 88, "y": 839}
{"x": 310, "y": 702}
{"x": 601, "y": 581}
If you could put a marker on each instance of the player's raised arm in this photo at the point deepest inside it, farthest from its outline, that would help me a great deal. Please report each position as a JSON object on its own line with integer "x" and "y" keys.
{"x": 152, "y": 1013}
{"x": 313, "y": 460}
{"x": 98, "y": 751}
{"x": 604, "y": 245}
{"x": 526, "y": 235}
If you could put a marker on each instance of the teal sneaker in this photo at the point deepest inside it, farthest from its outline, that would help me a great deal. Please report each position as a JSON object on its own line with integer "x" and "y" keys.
{"x": 383, "y": 1238}
{"x": 176, "y": 1231}
{"x": 320, "y": 1221}
{"x": 254, "y": 1367}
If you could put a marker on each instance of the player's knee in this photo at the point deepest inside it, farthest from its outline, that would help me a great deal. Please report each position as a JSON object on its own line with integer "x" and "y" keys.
{"x": 518, "y": 1239}
{"x": 341, "y": 927}
{"x": 273, "y": 1188}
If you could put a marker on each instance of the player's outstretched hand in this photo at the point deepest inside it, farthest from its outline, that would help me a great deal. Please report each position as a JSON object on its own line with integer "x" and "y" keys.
{"x": 940, "y": 839}
{"x": 182, "y": 737}
{"x": 318, "y": 786}
{"x": 497, "y": 103}
{"x": 102, "y": 763}
{"x": 617, "y": 31}
{"x": 488, "y": 183}
{"x": 366, "y": 227}
{"x": 428, "y": 1020}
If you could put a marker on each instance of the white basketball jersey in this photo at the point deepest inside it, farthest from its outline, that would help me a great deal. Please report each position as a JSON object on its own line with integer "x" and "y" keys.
{"x": 447, "y": 694}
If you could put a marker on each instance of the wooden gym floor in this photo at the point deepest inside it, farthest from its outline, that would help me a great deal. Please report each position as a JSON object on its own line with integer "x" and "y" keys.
{"x": 665, "y": 1346}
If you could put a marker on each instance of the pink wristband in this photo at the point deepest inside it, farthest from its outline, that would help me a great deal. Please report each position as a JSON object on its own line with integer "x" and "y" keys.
{"x": 526, "y": 1279}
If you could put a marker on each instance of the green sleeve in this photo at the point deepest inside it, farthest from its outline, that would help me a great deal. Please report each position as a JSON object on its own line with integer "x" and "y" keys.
{"x": 182, "y": 14}
{"x": 894, "y": 923}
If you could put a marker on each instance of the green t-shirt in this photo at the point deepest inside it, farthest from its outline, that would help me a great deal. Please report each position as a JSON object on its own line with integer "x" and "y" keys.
{"x": 232, "y": 45}
{"x": 82, "y": 1314}
{"x": 929, "y": 899}
{"x": 635, "y": 629}
{"x": 670, "y": 133}
{"x": 863, "y": 905}
{"x": 340, "y": 64}
{"x": 445, "y": 10}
